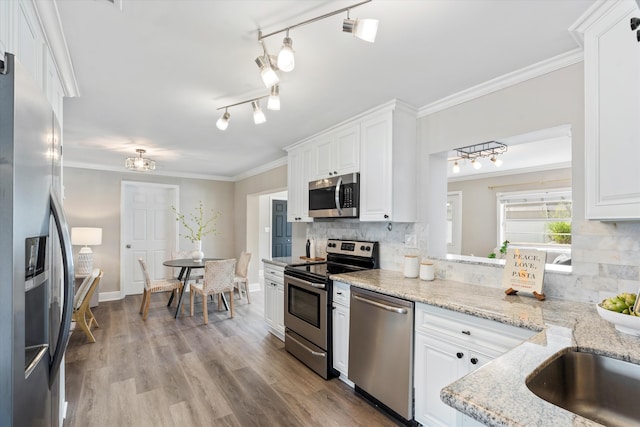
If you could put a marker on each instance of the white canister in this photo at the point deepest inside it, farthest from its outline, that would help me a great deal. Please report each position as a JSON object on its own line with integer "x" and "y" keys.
{"x": 411, "y": 266}
{"x": 427, "y": 271}
{"x": 312, "y": 249}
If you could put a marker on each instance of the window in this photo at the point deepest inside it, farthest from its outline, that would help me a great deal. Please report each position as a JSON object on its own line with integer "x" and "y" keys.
{"x": 539, "y": 220}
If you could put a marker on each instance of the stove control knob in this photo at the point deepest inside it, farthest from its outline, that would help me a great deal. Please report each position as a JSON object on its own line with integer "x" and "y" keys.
{"x": 368, "y": 248}
{"x": 362, "y": 248}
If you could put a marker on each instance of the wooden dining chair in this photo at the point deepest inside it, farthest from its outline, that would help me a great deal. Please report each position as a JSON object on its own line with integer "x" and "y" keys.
{"x": 82, "y": 314}
{"x": 218, "y": 278}
{"x": 242, "y": 268}
{"x": 150, "y": 287}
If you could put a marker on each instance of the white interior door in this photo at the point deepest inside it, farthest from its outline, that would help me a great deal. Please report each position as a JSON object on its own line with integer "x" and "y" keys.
{"x": 149, "y": 231}
{"x": 454, "y": 222}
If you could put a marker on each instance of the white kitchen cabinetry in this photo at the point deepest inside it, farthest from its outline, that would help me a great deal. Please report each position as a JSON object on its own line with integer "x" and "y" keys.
{"x": 337, "y": 152}
{"x": 298, "y": 175}
{"x": 274, "y": 298}
{"x": 388, "y": 165}
{"x": 612, "y": 112}
{"x": 6, "y": 12}
{"x": 341, "y": 306}
{"x": 449, "y": 345}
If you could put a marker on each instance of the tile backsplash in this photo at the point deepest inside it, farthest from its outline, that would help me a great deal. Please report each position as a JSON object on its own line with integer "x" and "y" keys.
{"x": 606, "y": 256}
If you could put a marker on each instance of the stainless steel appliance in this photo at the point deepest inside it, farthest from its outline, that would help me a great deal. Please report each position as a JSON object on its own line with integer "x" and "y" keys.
{"x": 335, "y": 197}
{"x": 381, "y": 350}
{"x": 308, "y": 301}
{"x": 36, "y": 268}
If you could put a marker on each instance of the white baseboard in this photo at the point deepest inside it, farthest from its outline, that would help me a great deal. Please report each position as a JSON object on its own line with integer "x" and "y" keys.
{"x": 254, "y": 287}
{"x": 110, "y": 296}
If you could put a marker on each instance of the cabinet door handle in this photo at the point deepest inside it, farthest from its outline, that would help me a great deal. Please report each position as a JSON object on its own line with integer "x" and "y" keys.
{"x": 466, "y": 332}
{"x": 459, "y": 355}
{"x": 339, "y": 293}
{"x": 386, "y": 216}
{"x": 474, "y": 360}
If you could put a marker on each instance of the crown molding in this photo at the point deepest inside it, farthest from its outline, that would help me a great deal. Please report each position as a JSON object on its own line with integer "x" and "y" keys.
{"x": 49, "y": 19}
{"x": 527, "y": 73}
{"x": 122, "y": 170}
{"x": 261, "y": 169}
{"x": 590, "y": 16}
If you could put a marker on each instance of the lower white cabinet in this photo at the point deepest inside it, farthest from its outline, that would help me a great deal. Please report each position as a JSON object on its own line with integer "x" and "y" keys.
{"x": 340, "y": 318}
{"x": 449, "y": 345}
{"x": 274, "y": 299}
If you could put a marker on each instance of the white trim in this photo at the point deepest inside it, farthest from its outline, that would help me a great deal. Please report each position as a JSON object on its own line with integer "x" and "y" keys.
{"x": 53, "y": 33}
{"x": 591, "y": 15}
{"x": 93, "y": 166}
{"x": 508, "y": 172}
{"x": 261, "y": 169}
{"x": 110, "y": 296}
{"x": 527, "y": 73}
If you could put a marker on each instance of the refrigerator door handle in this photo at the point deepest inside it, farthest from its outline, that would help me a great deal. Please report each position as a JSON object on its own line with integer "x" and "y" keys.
{"x": 68, "y": 272}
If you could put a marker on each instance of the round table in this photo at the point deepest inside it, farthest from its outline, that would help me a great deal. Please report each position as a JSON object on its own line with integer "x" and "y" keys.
{"x": 186, "y": 265}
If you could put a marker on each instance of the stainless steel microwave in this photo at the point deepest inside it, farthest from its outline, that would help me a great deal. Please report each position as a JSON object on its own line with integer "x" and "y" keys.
{"x": 335, "y": 197}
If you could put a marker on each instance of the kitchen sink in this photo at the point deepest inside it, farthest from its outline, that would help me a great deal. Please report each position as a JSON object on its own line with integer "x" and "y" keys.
{"x": 599, "y": 388}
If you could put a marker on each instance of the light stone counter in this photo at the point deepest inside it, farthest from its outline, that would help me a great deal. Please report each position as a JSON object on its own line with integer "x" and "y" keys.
{"x": 496, "y": 394}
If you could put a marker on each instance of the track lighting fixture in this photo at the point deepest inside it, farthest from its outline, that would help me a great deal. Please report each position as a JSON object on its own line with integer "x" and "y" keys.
{"x": 258, "y": 115}
{"x": 274, "y": 98}
{"x": 364, "y": 29}
{"x": 491, "y": 150}
{"x": 223, "y": 121}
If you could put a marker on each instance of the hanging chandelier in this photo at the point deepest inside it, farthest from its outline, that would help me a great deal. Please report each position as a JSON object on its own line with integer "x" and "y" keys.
{"x": 140, "y": 164}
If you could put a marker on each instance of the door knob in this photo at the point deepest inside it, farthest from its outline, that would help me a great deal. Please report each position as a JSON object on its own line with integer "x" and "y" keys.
{"x": 128, "y": 246}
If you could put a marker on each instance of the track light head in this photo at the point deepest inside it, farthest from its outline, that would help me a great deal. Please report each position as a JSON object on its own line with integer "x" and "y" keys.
{"x": 274, "y": 98}
{"x": 286, "y": 60}
{"x": 476, "y": 164}
{"x": 496, "y": 161}
{"x": 269, "y": 76}
{"x": 364, "y": 29}
{"x": 456, "y": 167}
{"x": 223, "y": 121}
{"x": 258, "y": 115}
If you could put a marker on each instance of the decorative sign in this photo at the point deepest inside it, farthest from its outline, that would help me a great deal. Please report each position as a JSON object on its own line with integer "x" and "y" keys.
{"x": 524, "y": 271}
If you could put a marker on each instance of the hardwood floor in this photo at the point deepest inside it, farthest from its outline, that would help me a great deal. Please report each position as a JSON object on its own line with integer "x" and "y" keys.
{"x": 179, "y": 372}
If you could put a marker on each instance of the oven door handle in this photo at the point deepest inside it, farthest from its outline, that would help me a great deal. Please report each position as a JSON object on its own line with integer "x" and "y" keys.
{"x": 314, "y": 353}
{"x": 392, "y": 308}
{"x": 306, "y": 283}
{"x": 338, "y": 207}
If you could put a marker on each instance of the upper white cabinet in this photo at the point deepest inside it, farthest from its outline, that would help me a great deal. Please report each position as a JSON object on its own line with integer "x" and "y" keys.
{"x": 381, "y": 145}
{"x": 388, "y": 166}
{"x": 612, "y": 112}
{"x": 299, "y": 162}
{"x": 337, "y": 152}
{"x": 5, "y": 25}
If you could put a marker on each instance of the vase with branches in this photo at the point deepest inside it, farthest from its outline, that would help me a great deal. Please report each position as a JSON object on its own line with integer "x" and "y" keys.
{"x": 197, "y": 225}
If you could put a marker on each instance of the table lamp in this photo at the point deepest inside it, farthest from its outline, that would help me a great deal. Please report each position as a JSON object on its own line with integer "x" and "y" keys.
{"x": 85, "y": 236}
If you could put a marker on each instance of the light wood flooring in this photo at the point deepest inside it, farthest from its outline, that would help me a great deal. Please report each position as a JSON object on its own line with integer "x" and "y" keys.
{"x": 179, "y": 372}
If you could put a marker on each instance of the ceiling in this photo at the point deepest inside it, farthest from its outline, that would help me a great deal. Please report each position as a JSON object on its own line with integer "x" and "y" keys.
{"x": 152, "y": 73}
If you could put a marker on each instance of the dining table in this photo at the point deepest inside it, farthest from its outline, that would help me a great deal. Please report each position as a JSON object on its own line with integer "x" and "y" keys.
{"x": 186, "y": 265}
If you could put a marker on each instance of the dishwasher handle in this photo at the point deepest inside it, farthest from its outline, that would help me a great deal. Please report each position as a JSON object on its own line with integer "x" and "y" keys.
{"x": 399, "y": 310}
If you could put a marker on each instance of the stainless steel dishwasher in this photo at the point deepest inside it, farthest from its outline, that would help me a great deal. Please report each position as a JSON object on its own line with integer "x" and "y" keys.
{"x": 381, "y": 350}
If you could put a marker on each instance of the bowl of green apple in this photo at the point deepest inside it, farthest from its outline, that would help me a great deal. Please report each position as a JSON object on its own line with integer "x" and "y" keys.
{"x": 622, "y": 311}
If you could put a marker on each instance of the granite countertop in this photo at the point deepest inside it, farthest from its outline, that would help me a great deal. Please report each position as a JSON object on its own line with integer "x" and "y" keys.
{"x": 288, "y": 260}
{"x": 496, "y": 394}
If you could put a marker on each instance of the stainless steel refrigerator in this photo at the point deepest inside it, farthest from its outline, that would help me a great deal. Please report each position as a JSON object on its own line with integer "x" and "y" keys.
{"x": 36, "y": 267}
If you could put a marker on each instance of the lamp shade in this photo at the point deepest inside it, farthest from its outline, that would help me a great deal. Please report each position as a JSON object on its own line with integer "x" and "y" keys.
{"x": 86, "y": 236}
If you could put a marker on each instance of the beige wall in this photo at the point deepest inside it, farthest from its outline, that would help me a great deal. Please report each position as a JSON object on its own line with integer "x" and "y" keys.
{"x": 247, "y": 224}
{"x": 480, "y": 209}
{"x": 92, "y": 199}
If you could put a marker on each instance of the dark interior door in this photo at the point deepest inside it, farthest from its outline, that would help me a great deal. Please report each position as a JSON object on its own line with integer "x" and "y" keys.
{"x": 281, "y": 230}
